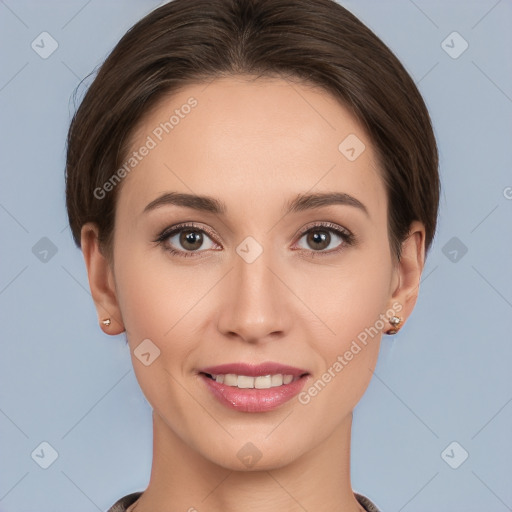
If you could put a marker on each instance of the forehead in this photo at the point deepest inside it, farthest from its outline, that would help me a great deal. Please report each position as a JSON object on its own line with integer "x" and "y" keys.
{"x": 247, "y": 140}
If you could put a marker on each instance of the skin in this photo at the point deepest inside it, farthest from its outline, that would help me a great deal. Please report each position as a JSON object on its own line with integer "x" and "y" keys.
{"x": 253, "y": 144}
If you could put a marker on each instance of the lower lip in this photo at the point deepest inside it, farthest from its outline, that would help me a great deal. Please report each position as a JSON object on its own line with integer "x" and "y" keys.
{"x": 252, "y": 399}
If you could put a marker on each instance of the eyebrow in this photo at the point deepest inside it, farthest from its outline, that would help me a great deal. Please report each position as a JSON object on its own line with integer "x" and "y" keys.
{"x": 300, "y": 203}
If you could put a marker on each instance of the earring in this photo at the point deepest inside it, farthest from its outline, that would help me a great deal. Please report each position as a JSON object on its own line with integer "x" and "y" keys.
{"x": 395, "y": 321}
{"x": 106, "y": 322}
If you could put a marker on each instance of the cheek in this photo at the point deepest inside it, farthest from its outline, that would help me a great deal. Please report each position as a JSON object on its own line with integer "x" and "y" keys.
{"x": 154, "y": 302}
{"x": 350, "y": 296}
{"x": 156, "y": 305}
{"x": 350, "y": 304}
{"x": 362, "y": 296}
{"x": 348, "y": 357}
{"x": 146, "y": 288}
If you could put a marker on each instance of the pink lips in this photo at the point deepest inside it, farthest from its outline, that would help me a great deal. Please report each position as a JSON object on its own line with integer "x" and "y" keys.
{"x": 254, "y": 400}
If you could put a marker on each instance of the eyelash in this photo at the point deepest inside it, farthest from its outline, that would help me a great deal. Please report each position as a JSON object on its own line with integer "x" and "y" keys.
{"x": 348, "y": 238}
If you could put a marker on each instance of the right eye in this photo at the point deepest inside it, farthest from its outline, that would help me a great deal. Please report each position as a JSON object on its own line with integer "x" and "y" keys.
{"x": 187, "y": 236}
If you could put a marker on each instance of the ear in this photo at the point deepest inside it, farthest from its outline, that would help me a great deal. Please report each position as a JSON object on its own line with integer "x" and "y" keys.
{"x": 406, "y": 281}
{"x": 101, "y": 280}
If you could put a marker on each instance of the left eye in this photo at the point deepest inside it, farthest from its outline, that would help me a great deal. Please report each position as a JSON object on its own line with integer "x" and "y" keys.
{"x": 320, "y": 238}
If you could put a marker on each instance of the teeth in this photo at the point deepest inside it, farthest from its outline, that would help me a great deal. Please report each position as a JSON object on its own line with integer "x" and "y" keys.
{"x": 260, "y": 382}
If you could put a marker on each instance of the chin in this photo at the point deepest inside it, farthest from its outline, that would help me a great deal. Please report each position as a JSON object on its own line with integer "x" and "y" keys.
{"x": 253, "y": 453}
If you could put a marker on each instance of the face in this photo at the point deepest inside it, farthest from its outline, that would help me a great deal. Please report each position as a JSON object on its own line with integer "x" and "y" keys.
{"x": 257, "y": 272}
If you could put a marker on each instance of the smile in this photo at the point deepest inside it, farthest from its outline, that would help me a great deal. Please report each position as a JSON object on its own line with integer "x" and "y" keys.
{"x": 249, "y": 382}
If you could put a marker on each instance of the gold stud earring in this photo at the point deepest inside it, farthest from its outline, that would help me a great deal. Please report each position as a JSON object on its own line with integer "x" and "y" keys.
{"x": 106, "y": 322}
{"x": 395, "y": 321}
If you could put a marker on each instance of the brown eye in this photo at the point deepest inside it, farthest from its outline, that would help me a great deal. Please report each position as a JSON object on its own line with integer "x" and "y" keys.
{"x": 191, "y": 240}
{"x": 185, "y": 240}
{"x": 326, "y": 239}
{"x": 318, "y": 240}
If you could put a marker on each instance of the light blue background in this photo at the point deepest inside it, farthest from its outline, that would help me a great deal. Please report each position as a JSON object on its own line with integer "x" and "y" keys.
{"x": 445, "y": 377}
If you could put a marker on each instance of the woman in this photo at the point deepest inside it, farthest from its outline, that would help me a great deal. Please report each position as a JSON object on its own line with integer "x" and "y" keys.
{"x": 254, "y": 187}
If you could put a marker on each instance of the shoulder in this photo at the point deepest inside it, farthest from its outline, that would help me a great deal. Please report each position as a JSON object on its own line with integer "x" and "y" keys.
{"x": 122, "y": 504}
{"x": 368, "y": 505}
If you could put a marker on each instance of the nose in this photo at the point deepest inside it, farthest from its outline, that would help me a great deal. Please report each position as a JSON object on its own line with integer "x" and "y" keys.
{"x": 255, "y": 305}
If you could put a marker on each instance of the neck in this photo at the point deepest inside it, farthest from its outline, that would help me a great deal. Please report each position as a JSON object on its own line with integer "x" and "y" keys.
{"x": 182, "y": 479}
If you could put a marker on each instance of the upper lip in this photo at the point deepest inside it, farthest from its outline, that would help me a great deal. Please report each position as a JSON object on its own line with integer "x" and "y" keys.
{"x": 254, "y": 370}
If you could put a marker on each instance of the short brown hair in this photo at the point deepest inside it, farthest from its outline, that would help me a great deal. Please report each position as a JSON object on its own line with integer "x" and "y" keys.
{"x": 317, "y": 41}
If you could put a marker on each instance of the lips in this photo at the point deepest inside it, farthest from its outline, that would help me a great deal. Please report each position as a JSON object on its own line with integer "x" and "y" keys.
{"x": 246, "y": 388}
